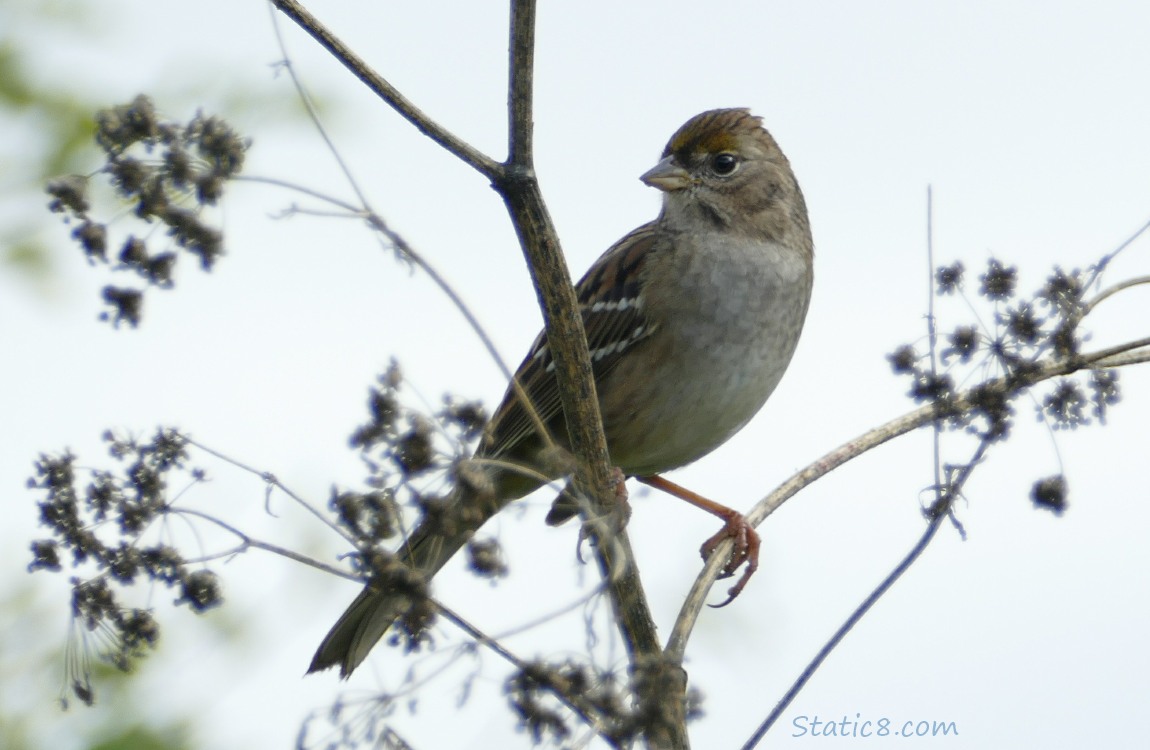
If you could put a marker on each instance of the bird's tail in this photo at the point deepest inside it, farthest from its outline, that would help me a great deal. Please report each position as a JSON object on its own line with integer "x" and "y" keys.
{"x": 400, "y": 587}
{"x": 381, "y": 603}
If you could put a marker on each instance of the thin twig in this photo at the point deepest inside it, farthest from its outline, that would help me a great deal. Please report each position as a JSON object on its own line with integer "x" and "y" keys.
{"x": 938, "y": 513}
{"x": 585, "y": 710}
{"x": 398, "y": 243}
{"x": 350, "y": 208}
{"x": 577, "y": 703}
{"x": 247, "y": 541}
{"x": 573, "y": 700}
{"x": 932, "y": 335}
{"x": 531, "y": 624}
{"x": 312, "y": 112}
{"x": 1101, "y": 266}
{"x": 271, "y": 480}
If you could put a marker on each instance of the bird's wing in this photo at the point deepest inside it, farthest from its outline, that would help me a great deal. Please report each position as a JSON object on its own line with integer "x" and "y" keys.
{"x": 614, "y": 321}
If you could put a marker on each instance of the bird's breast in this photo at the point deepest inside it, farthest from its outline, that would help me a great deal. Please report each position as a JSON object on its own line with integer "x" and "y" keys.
{"x": 729, "y": 324}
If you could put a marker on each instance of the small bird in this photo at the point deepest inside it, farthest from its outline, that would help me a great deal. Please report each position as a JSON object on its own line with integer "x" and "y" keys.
{"x": 691, "y": 321}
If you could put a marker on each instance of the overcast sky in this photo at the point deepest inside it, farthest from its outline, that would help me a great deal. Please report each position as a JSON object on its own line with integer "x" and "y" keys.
{"x": 1030, "y": 121}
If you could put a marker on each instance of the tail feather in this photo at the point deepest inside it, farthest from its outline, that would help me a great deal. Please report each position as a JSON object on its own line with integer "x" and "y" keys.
{"x": 433, "y": 542}
{"x": 365, "y": 621}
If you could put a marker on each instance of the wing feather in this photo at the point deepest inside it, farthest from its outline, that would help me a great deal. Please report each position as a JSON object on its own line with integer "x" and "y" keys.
{"x": 614, "y": 321}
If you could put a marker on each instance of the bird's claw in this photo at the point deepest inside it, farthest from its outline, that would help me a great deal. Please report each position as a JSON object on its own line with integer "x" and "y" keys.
{"x": 745, "y": 551}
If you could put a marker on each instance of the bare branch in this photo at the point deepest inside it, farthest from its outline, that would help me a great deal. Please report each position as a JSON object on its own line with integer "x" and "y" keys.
{"x": 1124, "y": 359}
{"x": 696, "y": 598}
{"x": 1112, "y": 290}
{"x": 482, "y": 163}
{"x": 568, "y": 343}
{"x": 520, "y": 146}
{"x": 1103, "y": 357}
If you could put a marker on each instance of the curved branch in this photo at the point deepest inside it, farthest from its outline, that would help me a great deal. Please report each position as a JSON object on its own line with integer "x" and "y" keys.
{"x": 696, "y": 597}
{"x": 1105, "y": 357}
{"x": 1111, "y": 291}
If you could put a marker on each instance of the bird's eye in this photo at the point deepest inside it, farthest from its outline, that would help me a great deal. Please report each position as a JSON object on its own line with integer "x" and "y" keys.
{"x": 724, "y": 164}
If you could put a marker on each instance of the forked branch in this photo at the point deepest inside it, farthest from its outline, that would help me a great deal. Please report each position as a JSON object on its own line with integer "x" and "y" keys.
{"x": 515, "y": 180}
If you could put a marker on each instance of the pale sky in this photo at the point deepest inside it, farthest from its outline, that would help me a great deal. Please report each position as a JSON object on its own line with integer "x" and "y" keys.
{"x": 1030, "y": 121}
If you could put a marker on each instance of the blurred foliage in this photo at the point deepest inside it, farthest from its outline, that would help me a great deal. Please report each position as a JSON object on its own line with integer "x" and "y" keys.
{"x": 64, "y": 123}
{"x": 47, "y": 116}
{"x": 136, "y": 738}
{"x": 33, "y": 721}
{"x": 66, "y": 116}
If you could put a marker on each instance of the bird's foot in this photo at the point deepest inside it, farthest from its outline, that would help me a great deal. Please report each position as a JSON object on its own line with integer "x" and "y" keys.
{"x": 745, "y": 551}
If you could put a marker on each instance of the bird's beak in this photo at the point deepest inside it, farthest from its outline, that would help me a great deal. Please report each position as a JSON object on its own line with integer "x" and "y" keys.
{"x": 667, "y": 176}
